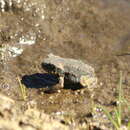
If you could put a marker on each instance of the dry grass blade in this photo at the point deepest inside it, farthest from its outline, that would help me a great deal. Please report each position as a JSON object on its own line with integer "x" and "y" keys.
{"x": 22, "y": 89}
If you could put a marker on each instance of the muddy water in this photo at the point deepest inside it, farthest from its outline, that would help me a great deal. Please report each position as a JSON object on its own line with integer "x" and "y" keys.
{"x": 97, "y": 32}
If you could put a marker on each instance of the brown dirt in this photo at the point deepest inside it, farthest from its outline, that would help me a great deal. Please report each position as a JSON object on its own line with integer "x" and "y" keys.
{"x": 96, "y": 32}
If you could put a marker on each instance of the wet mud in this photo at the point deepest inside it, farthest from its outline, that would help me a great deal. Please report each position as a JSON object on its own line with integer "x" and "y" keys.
{"x": 96, "y": 32}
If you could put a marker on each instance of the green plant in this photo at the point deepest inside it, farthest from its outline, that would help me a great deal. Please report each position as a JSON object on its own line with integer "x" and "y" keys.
{"x": 22, "y": 90}
{"x": 117, "y": 119}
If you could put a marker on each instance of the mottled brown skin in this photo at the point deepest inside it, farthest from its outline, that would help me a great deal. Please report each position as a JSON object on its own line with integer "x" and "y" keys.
{"x": 73, "y": 70}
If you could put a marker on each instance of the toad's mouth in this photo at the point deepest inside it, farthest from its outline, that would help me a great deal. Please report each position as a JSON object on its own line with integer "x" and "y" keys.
{"x": 48, "y": 67}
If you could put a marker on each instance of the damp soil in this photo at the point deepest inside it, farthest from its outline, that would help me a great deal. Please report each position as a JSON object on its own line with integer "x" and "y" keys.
{"x": 96, "y": 32}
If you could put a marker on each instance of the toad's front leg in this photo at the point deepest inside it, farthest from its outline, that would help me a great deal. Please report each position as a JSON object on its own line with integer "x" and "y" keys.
{"x": 61, "y": 81}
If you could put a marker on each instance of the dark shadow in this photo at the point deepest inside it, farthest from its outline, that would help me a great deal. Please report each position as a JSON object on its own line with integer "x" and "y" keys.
{"x": 39, "y": 80}
{"x": 48, "y": 81}
{"x": 72, "y": 86}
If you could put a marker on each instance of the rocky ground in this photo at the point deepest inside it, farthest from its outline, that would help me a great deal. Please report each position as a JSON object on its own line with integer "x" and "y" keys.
{"x": 96, "y": 32}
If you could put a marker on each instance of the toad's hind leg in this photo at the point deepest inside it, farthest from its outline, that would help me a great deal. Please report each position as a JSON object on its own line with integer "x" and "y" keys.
{"x": 61, "y": 81}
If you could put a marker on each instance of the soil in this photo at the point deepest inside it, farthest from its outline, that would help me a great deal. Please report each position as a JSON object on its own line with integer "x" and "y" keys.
{"x": 96, "y": 32}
